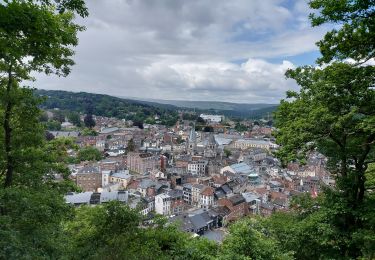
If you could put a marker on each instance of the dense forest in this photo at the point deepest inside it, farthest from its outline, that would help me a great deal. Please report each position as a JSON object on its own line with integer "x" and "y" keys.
{"x": 104, "y": 105}
{"x": 137, "y": 110}
{"x": 334, "y": 113}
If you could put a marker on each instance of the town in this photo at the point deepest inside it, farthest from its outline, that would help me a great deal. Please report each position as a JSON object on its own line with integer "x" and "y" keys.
{"x": 202, "y": 178}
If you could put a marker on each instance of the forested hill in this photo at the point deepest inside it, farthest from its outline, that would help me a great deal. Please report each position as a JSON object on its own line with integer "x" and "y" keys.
{"x": 109, "y": 106}
{"x": 141, "y": 110}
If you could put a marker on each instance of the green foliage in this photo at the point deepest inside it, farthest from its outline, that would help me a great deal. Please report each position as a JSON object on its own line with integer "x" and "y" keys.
{"x": 89, "y": 153}
{"x": 30, "y": 223}
{"x": 89, "y": 132}
{"x": 334, "y": 113}
{"x": 131, "y": 146}
{"x": 355, "y": 37}
{"x": 58, "y": 116}
{"x": 75, "y": 119}
{"x": 53, "y": 125}
{"x": 227, "y": 152}
{"x": 103, "y": 105}
{"x": 240, "y": 127}
{"x": 113, "y": 231}
{"x": 89, "y": 121}
{"x": 248, "y": 239}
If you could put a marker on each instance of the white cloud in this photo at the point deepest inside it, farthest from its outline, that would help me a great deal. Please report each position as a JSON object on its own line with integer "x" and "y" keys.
{"x": 178, "y": 49}
{"x": 252, "y": 81}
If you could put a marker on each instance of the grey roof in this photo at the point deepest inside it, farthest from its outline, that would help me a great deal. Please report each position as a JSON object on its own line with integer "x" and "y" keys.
{"x": 198, "y": 221}
{"x": 242, "y": 168}
{"x": 145, "y": 183}
{"x": 237, "y": 199}
{"x": 109, "y": 130}
{"x": 106, "y": 196}
{"x": 122, "y": 175}
{"x": 222, "y": 140}
{"x": 267, "y": 206}
{"x": 87, "y": 197}
{"x": 65, "y": 133}
{"x": 175, "y": 193}
{"x": 226, "y": 189}
{"x": 89, "y": 169}
{"x": 78, "y": 198}
{"x": 185, "y": 221}
{"x": 249, "y": 197}
{"x": 192, "y": 135}
{"x": 188, "y": 186}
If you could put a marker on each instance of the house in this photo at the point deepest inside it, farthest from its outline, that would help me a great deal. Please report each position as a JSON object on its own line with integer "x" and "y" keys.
{"x": 197, "y": 222}
{"x": 197, "y": 167}
{"x": 89, "y": 178}
{"x": 253, "y": 201}
{"x": 195, "y": 193}
{"x": 122, "y": 177}
{"x": 147, "y": 205}
{"x": 253, "y": 143}
{"x": 237, "y": 206}
{"x": 187, "y": 193}
{"x": 142, "y": 162}
{"x": 177, "y": 201}
{"x": 116, "y": 152}
{"x": 206, "y": 199}
{"x": 163, "y": 204}
{"x": 240, "y": 169}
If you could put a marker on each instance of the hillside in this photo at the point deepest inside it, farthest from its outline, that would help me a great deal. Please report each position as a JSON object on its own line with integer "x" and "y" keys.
{"x": 216, "y": 105}
{"x": 109, "y": 106}
{"x": 145, "y": 110}
{"x": 240, "y": 110}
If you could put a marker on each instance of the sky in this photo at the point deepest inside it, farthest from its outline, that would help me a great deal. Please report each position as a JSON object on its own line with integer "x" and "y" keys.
{"x": 215, "y": 50}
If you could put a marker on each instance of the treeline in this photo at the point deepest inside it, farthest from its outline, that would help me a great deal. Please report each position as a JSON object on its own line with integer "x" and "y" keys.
{"x": 108, "y": 106}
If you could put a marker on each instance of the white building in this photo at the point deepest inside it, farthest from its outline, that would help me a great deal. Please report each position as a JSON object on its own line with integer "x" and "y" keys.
{"x": 254, "y": 143}
{"x": 197, "y": 167}
{"x": 105, "y": 177}
{"x": 163, "y": 204}
{"x": 212, "y": 118}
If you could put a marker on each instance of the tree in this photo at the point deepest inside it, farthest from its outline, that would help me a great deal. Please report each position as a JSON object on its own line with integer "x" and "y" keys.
{"x": 89, "y": 153}
{"x": 53, "y": 125}
{"x": 131, "y": 146}
{"x": 334, "y": 114}
{"x": 34, "y": 37}
{"x": 113, "y": 231}
{"x": 74, "y": 118}
{"x": 59, "y": 116}
{"x": 227, "y": 152}
{"x": 249, "y": 240}
{"x": 240, "y": 127}
{"x": 25, "y": 46}
{"x": 89, "y": 121}
{"x": 355, "y": 38}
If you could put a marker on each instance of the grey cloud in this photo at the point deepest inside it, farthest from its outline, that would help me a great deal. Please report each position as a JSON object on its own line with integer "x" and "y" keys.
{"x": 178, "y": 49}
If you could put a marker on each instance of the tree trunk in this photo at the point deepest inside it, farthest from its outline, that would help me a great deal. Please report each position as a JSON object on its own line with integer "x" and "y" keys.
{"x": 9, "y": 160}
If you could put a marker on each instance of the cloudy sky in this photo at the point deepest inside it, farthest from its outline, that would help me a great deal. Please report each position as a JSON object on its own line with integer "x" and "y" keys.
{"x": 220, "y": 50}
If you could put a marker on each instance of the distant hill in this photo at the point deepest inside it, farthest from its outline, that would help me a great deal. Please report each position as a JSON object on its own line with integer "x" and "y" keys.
{"x": 252, "y": 111}
{"x": 146, "y": 110}
{"x": 109, "y": 106}
{"x": 215, "y": 105}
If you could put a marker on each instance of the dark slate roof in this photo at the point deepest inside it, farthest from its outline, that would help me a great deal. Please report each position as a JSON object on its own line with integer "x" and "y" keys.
{"x": 226, "y": 189}
{"x": 198, "y": 221}
{"x": 237, "y": 199}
